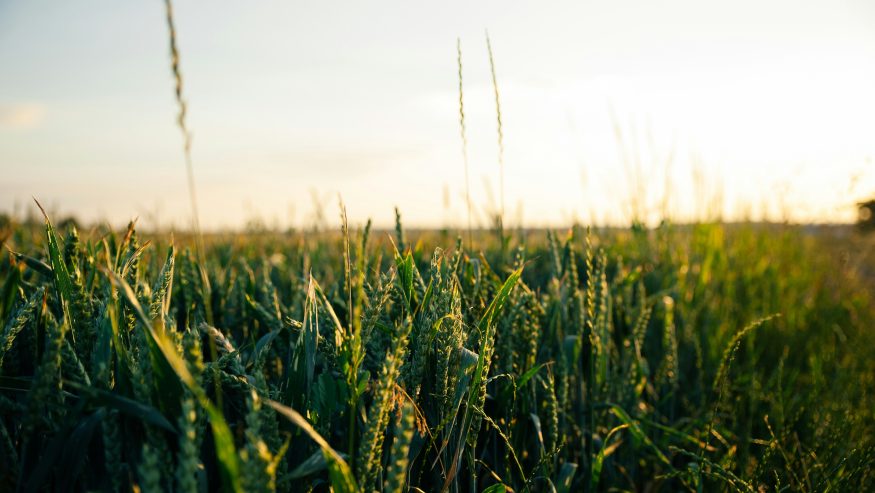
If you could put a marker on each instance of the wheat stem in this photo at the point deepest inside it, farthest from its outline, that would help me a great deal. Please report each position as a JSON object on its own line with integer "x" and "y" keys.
{"x": 464, "y": 139}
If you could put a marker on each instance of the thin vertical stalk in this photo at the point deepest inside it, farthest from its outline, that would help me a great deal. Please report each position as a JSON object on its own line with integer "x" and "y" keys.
{"x": 464, "y": 139}
{"x": 186, "y": 138}
{"x": 180, "y": 119}
{"x": 588, "y": 355}
{"x": 500, "y": 133}
{"x": 183, "y": 127}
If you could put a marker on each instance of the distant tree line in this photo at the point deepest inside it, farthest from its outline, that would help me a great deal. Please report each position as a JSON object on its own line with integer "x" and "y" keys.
{"x": 866, "y": 215}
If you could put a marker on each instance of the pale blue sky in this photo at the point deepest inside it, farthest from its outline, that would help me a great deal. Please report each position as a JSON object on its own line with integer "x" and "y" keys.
{"x": 769, "y": 104}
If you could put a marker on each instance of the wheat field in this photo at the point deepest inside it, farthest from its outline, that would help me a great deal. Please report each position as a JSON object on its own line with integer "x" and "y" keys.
{"x": 701, "y": 356}
{"x": 695, "y": 358}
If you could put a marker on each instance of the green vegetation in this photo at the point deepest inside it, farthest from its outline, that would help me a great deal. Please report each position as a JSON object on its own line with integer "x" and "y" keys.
{"x": 700, "y": 358}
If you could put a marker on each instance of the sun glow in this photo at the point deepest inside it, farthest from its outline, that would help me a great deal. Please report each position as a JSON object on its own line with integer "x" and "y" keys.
{"x": 610, "y": 114}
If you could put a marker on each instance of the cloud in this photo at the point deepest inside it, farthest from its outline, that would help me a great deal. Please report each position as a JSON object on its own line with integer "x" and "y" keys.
{"x": 21, "y": 115}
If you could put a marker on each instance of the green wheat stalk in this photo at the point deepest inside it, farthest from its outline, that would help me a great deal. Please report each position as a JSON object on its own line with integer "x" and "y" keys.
{"x": 396, "y": 474}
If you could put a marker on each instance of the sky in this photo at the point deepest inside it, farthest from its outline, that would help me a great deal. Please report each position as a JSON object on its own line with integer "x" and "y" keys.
{"x": 610, "y": 110}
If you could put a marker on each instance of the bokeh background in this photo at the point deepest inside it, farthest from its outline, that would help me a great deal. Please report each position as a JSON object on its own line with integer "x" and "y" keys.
{"x": 743, "y": 110}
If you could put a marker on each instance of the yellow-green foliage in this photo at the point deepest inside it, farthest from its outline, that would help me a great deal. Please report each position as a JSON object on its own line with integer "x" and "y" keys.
{"x": 699, "y": 358}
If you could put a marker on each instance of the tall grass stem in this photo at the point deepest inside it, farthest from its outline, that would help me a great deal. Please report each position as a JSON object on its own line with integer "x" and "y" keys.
{"x": 464, "y": 139}
{"x": 500, "y": 133}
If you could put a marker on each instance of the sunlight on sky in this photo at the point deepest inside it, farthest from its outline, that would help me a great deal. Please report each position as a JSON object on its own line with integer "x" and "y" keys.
{"x": 748, "y": 110}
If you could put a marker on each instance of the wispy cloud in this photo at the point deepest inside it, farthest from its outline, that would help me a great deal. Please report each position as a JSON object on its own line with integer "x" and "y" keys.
{"x": 21, "y": 115}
